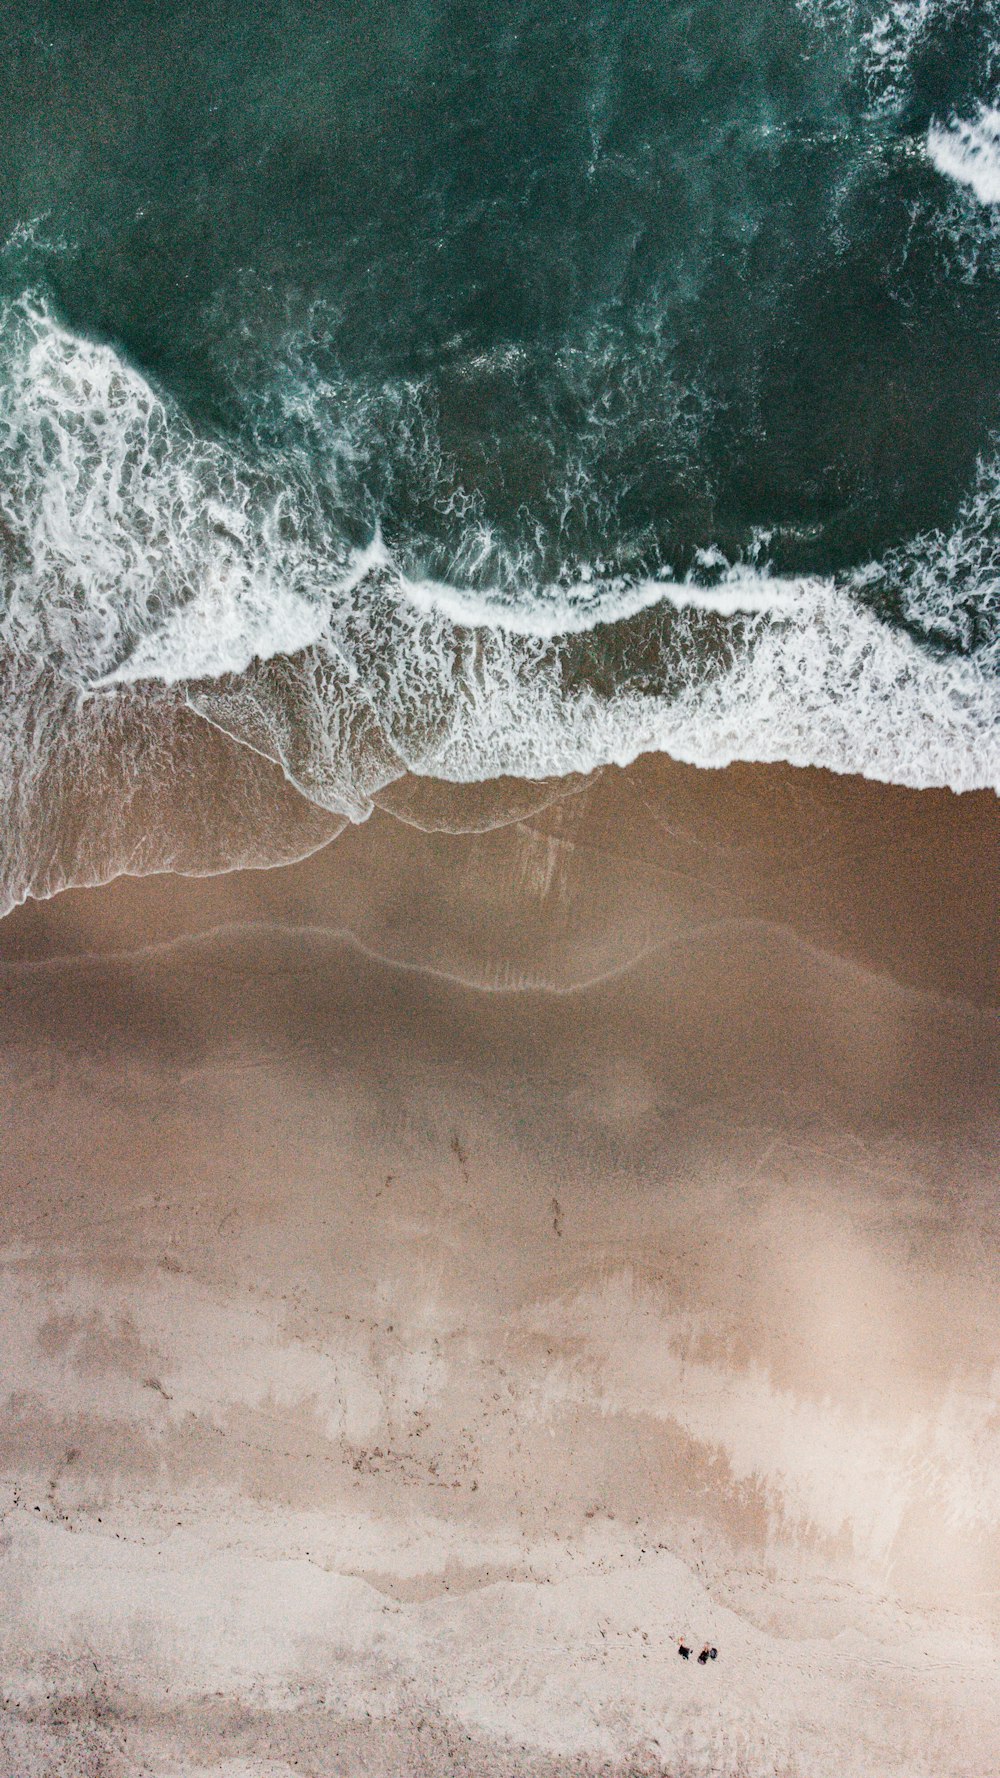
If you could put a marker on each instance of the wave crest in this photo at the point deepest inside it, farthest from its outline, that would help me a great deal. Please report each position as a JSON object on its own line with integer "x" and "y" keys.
{"x": 969, "y": 153}
{"x": 148, "y": 571}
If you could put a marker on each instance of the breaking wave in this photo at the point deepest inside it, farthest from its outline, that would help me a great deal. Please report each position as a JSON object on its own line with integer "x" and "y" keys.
{"x": 160, "y": 586}
{"x": 969, "y": 153}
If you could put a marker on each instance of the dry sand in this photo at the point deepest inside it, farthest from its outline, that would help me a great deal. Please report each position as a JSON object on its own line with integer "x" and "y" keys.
{"x": 440, "y": 1275}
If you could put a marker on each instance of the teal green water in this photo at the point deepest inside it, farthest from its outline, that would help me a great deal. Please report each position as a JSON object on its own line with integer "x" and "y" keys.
{"x": 550, "y": 301}
{"x": 684, "y": 242}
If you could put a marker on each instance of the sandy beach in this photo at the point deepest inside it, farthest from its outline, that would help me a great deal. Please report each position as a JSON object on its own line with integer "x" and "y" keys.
{"x": 547, "y": 1225}
{"x": 499, "y": 868}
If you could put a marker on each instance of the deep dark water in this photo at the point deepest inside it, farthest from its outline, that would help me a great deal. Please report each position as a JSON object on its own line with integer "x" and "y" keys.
{"x": 686, "y": 261}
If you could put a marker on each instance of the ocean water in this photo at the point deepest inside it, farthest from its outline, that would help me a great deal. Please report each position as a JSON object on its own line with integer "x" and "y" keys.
{"x": 476, "y": 391}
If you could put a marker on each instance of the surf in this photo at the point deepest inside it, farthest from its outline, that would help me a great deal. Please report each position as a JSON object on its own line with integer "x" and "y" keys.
{"x": 143, "y": 562}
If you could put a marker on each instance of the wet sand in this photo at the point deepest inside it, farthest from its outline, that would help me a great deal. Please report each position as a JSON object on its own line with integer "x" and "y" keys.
{"x": 438, "y": 1276}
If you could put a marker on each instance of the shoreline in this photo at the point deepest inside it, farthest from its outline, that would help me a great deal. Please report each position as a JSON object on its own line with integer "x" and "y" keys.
{"x": 901, "y": 880}
{"x": 414, "y": 1364}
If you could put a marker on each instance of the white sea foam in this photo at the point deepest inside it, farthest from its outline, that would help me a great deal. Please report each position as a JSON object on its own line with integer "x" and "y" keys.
{"x": 828, "y": 686}
{"x": 135, "y": 553}
{"x": 578, "y": 607}
{"x": 969, "y": 152}
{"x": 884, "y": 41}
{"x": 891, "y": 40}
{"x": 135, "y": 548}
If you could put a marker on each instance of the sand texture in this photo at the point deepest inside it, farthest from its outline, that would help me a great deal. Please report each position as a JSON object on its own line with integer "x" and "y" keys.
{"x": 546, "y": 1224}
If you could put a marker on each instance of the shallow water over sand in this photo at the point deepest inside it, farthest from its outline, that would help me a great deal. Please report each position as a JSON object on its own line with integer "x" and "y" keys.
{"x": 499, "y": 733}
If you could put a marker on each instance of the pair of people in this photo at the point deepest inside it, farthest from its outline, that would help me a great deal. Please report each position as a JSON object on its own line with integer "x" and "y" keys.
{"x": 707, "y": 1653}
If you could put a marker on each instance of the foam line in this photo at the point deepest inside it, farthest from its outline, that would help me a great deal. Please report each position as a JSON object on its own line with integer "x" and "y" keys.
{"x": 138, "y": 554}
{"x": 557, "y": 611}
{"x": 847, "y": 969}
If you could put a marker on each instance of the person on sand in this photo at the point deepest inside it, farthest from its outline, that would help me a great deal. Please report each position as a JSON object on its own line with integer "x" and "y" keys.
{"x": 684, "y": 1651}
{"x": 708, "y": 1654}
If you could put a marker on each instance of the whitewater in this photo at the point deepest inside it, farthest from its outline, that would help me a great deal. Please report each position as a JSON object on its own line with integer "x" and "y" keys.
{"x": 512, "y": 402}
{"x": 140, "y": 557}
